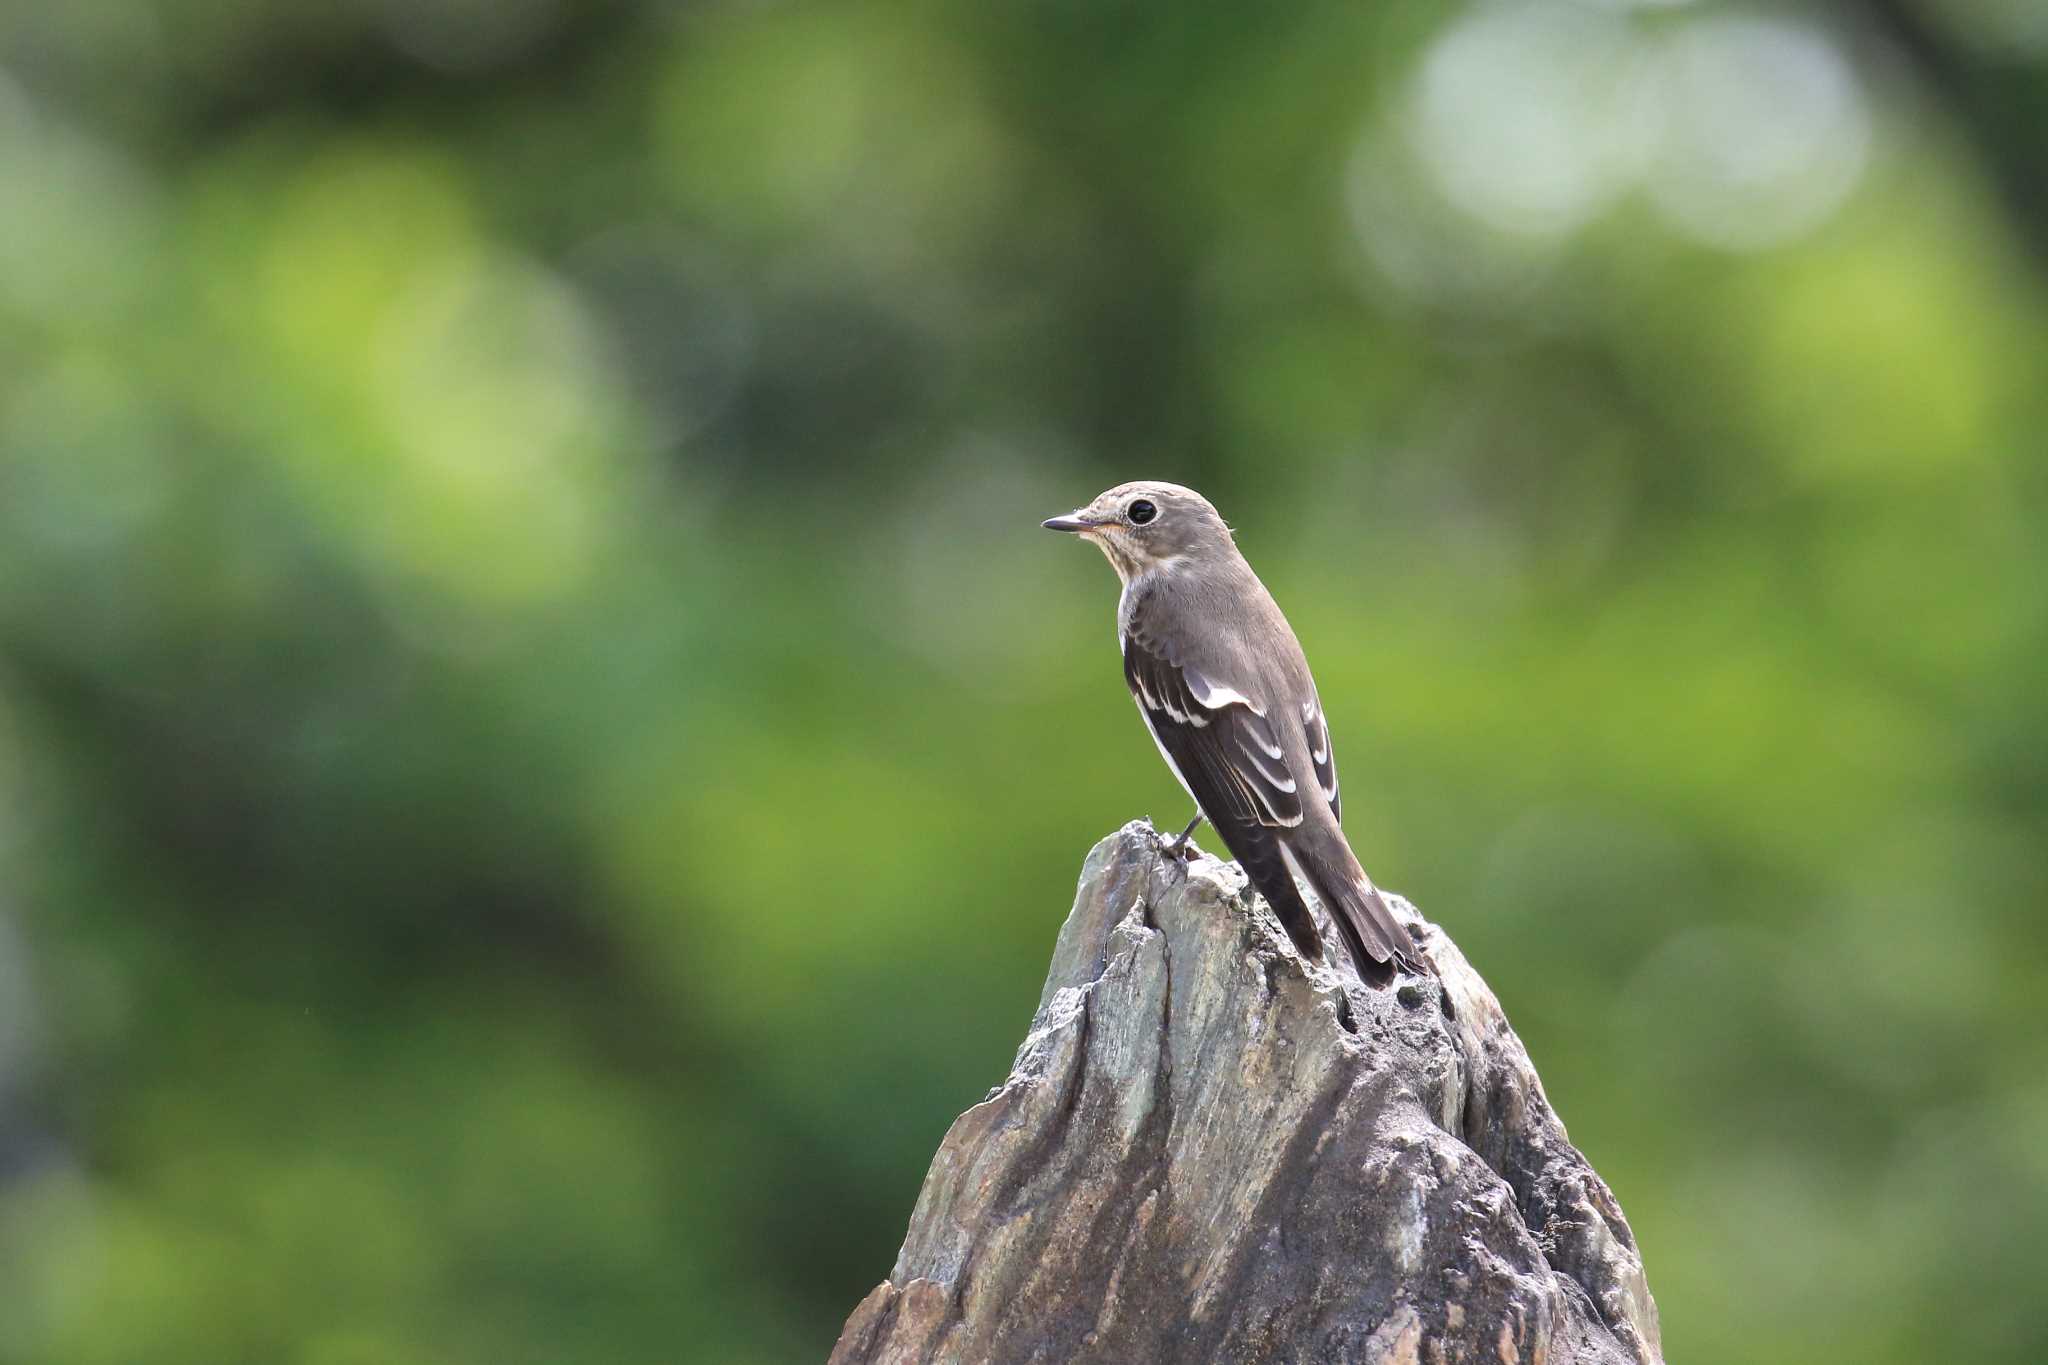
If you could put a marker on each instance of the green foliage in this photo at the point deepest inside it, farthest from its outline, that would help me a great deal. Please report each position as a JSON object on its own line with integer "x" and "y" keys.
{"x": 542, "y": 749}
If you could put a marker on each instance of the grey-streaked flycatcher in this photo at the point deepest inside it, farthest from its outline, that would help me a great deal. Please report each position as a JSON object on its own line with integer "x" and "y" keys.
{"x": 1225, "y": 690}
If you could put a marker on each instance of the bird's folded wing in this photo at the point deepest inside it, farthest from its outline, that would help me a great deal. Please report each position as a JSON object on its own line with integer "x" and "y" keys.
{"x": 1219, "y": 738}
{"x": 1320, "y": 754}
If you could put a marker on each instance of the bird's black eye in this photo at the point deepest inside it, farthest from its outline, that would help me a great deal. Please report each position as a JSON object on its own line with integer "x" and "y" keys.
{"x": 1141, "y": 512}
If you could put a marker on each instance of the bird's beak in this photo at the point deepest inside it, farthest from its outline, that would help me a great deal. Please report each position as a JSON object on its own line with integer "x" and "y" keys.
{"x": 1072, "y": 521}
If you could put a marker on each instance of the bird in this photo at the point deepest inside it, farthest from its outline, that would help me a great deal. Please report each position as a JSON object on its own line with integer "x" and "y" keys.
{"x": 1226, "y": 693}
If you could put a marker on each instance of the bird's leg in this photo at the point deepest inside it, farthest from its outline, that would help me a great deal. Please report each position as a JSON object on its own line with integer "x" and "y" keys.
{"x": 1178, "y": 847}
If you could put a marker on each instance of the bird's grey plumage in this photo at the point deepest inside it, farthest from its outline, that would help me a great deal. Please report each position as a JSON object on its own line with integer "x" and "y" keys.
{"x": 1226, "y": 693}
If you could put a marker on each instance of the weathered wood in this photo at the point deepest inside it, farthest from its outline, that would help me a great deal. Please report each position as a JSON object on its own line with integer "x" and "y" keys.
{"x": 1208, "y": 1151}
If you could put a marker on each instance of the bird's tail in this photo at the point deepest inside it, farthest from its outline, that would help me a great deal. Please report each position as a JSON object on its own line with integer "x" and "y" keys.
{"x": 1379, "y": 944}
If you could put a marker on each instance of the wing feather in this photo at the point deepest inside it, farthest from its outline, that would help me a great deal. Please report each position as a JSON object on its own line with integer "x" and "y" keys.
{"x": 1225, "y": 750}
{"x": 1213, "y": 738}
{"x": 1320, "y": 754}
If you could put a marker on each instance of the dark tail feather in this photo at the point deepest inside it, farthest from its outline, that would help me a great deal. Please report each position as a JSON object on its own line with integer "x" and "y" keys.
{"x": 1379, "y": 944}
{"x": 1268, "y": 873}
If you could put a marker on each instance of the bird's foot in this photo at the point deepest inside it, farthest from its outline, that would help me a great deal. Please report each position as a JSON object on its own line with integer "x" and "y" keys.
{"x": 1181, "y": 846}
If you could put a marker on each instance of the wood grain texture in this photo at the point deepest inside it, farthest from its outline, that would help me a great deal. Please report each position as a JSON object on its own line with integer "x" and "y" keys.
{"x": 1211, "y": 1151}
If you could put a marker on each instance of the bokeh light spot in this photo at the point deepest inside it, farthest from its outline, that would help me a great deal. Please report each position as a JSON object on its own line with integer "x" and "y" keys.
{"x": 1764, "y": 131}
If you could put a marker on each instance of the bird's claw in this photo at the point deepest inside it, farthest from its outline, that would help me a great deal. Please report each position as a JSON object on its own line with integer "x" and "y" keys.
{"x": 1182, "y": 846}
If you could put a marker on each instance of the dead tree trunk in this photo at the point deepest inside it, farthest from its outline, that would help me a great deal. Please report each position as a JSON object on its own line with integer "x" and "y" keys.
{"x": 1209, "y": 1151}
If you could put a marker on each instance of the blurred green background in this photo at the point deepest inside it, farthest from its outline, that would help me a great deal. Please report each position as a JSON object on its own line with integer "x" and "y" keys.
{"x": 542, "y": 748}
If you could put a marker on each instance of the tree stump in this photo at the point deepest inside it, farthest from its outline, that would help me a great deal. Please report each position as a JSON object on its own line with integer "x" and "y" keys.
{"x": 1210, "y": 1150}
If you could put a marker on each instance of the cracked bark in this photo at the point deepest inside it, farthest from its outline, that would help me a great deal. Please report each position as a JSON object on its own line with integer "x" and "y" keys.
{"x": 1209, "y": 1151}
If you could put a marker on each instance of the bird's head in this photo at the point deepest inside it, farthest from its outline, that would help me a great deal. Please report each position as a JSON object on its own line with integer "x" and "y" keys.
{"x": 1148, "y": 525}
